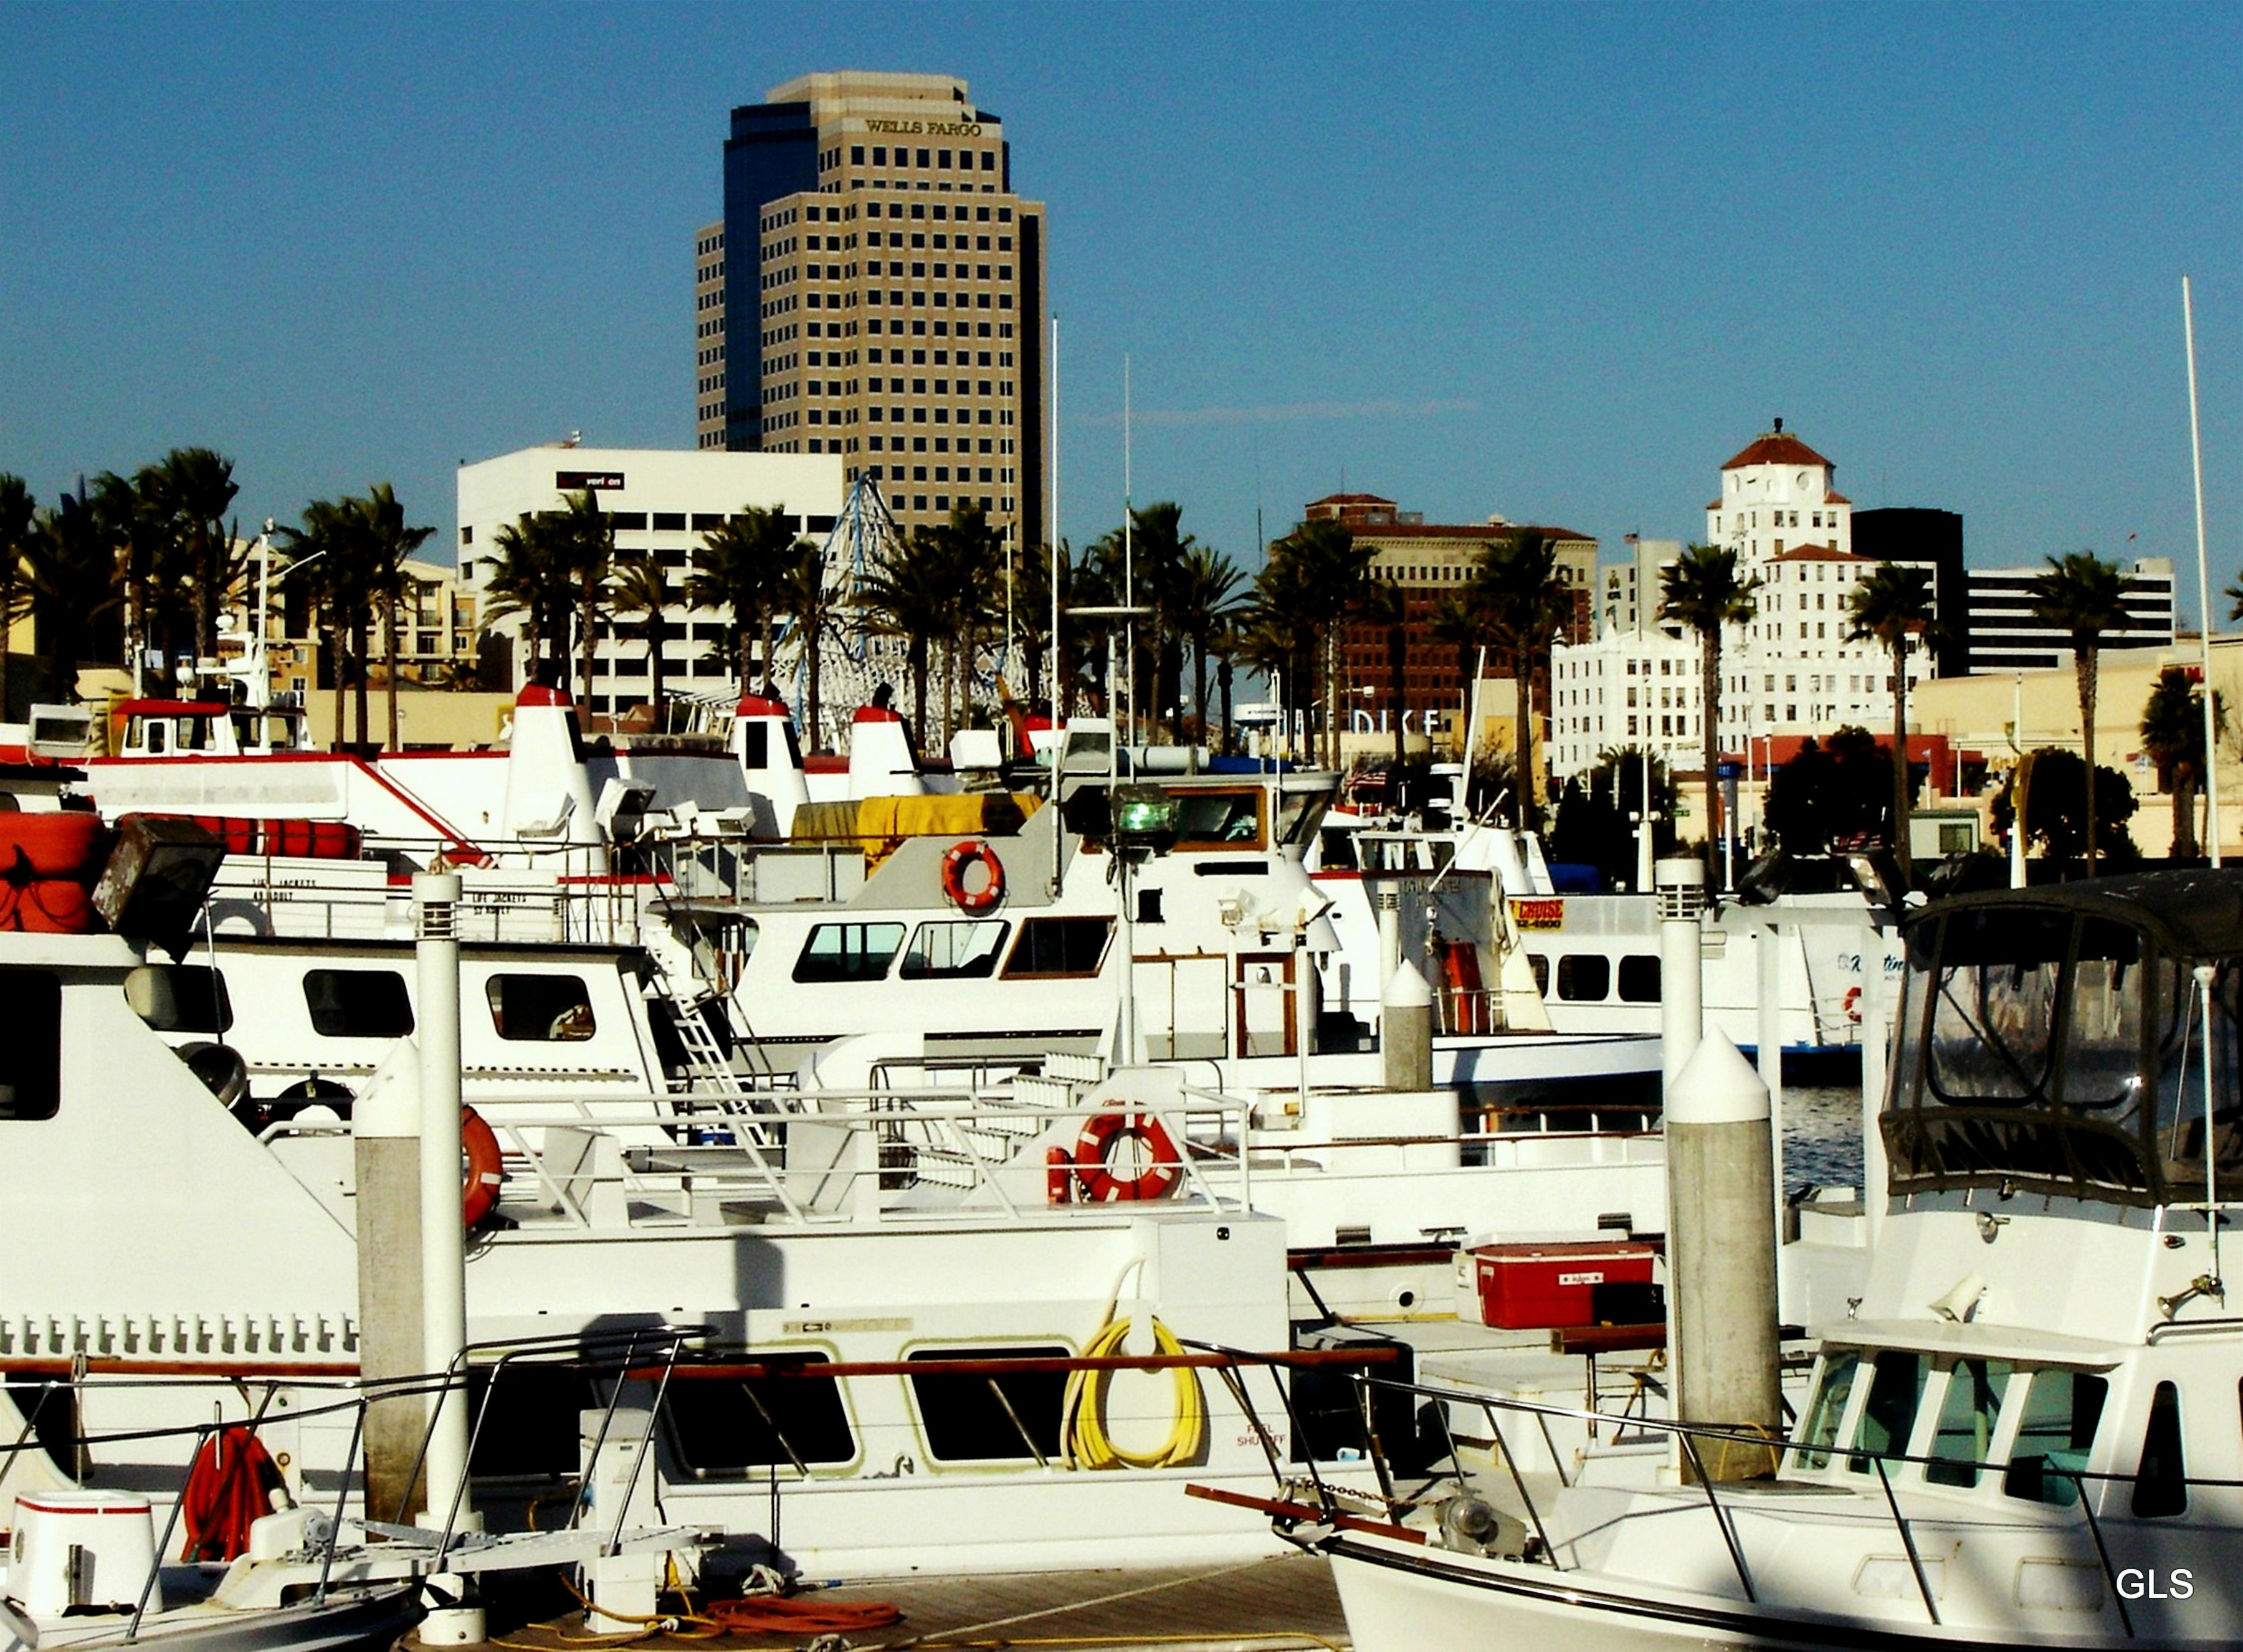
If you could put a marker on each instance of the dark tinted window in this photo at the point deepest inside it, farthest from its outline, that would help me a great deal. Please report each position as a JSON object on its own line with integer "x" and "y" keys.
{"x": 30, "y": 1056}
{"x": 1584, "y": 978}
{"x": 358, "y": 1004}
{"x": 848, "y": 952}
{"x": 967, "y": 1421}
{"x": 2161, "y": 1478}
{"x": 1539, "y": 964}
{"x": 940, "y": 951}
{"x": 530, "y": 1426}
{"x": 540, "y": 1009}
{"x": 179, "y": 997}
{"x": 1060, "y": 946}
{"x": 1639, "y": 978}
{"x": 723, "y": 1427}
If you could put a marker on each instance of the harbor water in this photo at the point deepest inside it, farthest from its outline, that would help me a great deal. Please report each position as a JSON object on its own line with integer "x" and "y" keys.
{"x": 1822, "y": 1136}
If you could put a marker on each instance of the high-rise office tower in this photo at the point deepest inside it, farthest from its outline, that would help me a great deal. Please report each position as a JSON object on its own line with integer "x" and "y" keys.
{"x": 876, "y": 290}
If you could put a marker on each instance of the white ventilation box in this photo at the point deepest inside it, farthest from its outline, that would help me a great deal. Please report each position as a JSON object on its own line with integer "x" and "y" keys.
{"x": 80, "y": 1550}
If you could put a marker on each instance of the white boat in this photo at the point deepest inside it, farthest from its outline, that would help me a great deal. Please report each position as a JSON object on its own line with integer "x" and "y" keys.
{"x": 2023, "y": 1432}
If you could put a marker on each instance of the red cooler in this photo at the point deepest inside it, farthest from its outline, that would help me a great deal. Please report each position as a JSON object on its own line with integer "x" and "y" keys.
{"x": 1534, "y": 1287}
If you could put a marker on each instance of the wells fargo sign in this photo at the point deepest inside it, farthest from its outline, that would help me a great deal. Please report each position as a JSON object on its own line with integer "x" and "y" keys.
{"x": 926, "y": 128}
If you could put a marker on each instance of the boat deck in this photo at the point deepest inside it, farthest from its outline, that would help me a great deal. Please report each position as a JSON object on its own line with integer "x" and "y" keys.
{"x": 1274, "y": 1604}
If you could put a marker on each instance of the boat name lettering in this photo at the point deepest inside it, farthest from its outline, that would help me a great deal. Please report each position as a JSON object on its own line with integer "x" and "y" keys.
{"x": 1546, "y": 914}
{"x": 1594, "y": 1277}
{"x": 931, "y": 128}
{"x": 2137, "y": 1583}
{"x": 835, "y": 1327}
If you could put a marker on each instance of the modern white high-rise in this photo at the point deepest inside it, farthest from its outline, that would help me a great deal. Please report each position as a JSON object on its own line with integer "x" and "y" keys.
{"x": 660, "y": 502}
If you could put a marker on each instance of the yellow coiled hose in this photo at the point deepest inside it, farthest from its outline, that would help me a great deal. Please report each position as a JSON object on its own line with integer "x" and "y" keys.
{"x": 1089, "y": 1445}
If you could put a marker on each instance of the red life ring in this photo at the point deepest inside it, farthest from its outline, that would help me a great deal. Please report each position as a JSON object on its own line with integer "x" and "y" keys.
{"x": 1853, "y": 1004}
{"x": 972, "y": 852}
{"x": 1163, "y": 1167}
{"x": 481, "y": 1170}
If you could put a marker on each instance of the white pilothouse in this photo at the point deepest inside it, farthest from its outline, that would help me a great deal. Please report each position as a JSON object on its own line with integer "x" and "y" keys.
{"x": 2022, "y": 1433}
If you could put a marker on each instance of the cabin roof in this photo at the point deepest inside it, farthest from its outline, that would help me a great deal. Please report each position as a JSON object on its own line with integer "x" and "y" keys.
{"x": 2193, "y": 914}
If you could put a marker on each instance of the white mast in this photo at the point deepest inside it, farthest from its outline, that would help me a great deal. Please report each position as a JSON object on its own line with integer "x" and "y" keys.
{"x": 2203, "y": 595}
{"x": 1052, "y": 671}
{"x": 1128, "y": 565}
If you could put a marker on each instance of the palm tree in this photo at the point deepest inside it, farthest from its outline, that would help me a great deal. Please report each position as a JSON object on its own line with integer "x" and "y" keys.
{"x": 1888, "y": 603}
{"x": 192, "y": 488}
{"x": 387, "y": 542}
{"x": 972, "y": 552}
{"x": 1701, "y": 591}
{"x": 2084, "y": 596}
{"x": 1460, "y": 621}
{"x": 913, "y": 598}
{"x": 527, "y": 578}
{"x": 1206, "y": 597}
{"x": 70, "y": 577}
{"x": 739, "y": 570}
{"x": 1324, "y": 575}
{"x": 17, "y": 515}
{"x": 588, "y": 545}
{"x": 802, "y": 595}
{"x": 2172, "y": 736}
{"x": 331, "y": 546}
{"x": 1277, "y": 635}
{"x": 637, "y": 585}
{"x": 1517, "y": 588}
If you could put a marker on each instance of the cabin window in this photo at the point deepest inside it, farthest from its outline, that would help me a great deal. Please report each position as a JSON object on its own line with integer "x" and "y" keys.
{"x": 1584, "y": 978}
{"x": 358, "y": 1004}
{"x": 528, "y": 1428}
{"x": 540, "y": 1009}
{"x": 2102, "y": 1041}
{"x": 1339, "y": 850}
{"x": 1217, "y": 820}
{"x": 848, "y": 951}
{"x": 1888, "y": 1416}
{"x": 1060, "y": 946}
{"x": 1965, "y": 1428}
{"x": 1299, "y": 814}
{"x": 2180, "y": 1071}
{"x": 1826, "y": 1412}
{"x": 2161, "y": 1478}
{"x": 30, "y": 1056}
{"x": 1538, "y": 965}
{"x": 954, "y": 951}
{"x": 984, "y": 1416}
{"x": 724, "y": 1427}
{"x": 2056, "y": 1429}
{"x": 1639, "y": 978}
{"x": 1994, "y": 1014}
{"x": 179, "y": 997}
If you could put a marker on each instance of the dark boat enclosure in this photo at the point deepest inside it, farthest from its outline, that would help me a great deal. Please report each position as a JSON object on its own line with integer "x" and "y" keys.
{"x": 2055, "y": 1040}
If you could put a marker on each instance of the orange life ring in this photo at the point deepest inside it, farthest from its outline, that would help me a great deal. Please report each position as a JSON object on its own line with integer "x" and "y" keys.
{"x": 1853, "y": 1004}
{"x": 972, "y": 852}
{"x": 481, "y": 1170}
{"x": 1100, "y": 1186}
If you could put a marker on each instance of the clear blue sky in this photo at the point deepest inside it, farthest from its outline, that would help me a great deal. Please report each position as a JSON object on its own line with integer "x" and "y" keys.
{"x": 1556, "y": 262}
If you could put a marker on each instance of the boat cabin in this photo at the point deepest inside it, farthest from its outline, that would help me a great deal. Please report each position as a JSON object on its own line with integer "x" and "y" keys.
{"x": 207, "y": 729}
{"x": 2078, "y": 1042}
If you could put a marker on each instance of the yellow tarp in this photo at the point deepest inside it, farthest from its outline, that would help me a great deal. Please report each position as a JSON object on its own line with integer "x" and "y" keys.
{"x": 880, "y": 825}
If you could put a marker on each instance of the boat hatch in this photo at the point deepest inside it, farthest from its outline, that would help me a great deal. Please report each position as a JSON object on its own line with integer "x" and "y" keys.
{"x": 2056, "y": 1041}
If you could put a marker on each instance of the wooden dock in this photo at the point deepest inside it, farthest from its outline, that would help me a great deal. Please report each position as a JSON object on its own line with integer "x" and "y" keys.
{"x": 1279, "y": 1603}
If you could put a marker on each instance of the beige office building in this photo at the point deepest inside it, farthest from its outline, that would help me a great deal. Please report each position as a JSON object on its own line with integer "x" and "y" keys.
{"x": 876, "y": 290}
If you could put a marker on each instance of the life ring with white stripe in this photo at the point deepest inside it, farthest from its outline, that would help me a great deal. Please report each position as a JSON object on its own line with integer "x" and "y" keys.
{"x": 973, "y": 901}
{"x": 481, "y": 1169}
{"x": 1093, "y": 1150}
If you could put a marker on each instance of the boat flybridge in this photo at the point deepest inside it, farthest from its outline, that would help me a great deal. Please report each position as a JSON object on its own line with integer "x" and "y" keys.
{"x": 2023, "y": 1432}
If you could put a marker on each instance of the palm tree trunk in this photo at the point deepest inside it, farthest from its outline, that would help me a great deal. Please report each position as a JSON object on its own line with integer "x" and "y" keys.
{"x": 918, "y": 660}
{"x": 587, "y": 602}
{"x": 654, "y": 628}
{"x": 2084, "y": 663}
{"x": 1398, "y": 654}
{"x": 816, "y": 707}
{"x": 335, "y": 664}
{"x": 1199, "y": 687}
{"x": 389, "y": 668}
{"x": 1900, "y": 754}
{"x": 1522, "y": 672}
{"x": 1710, "y": 703}
{"x": 359, "y": 688}
{"x": 1222, "y": 683}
